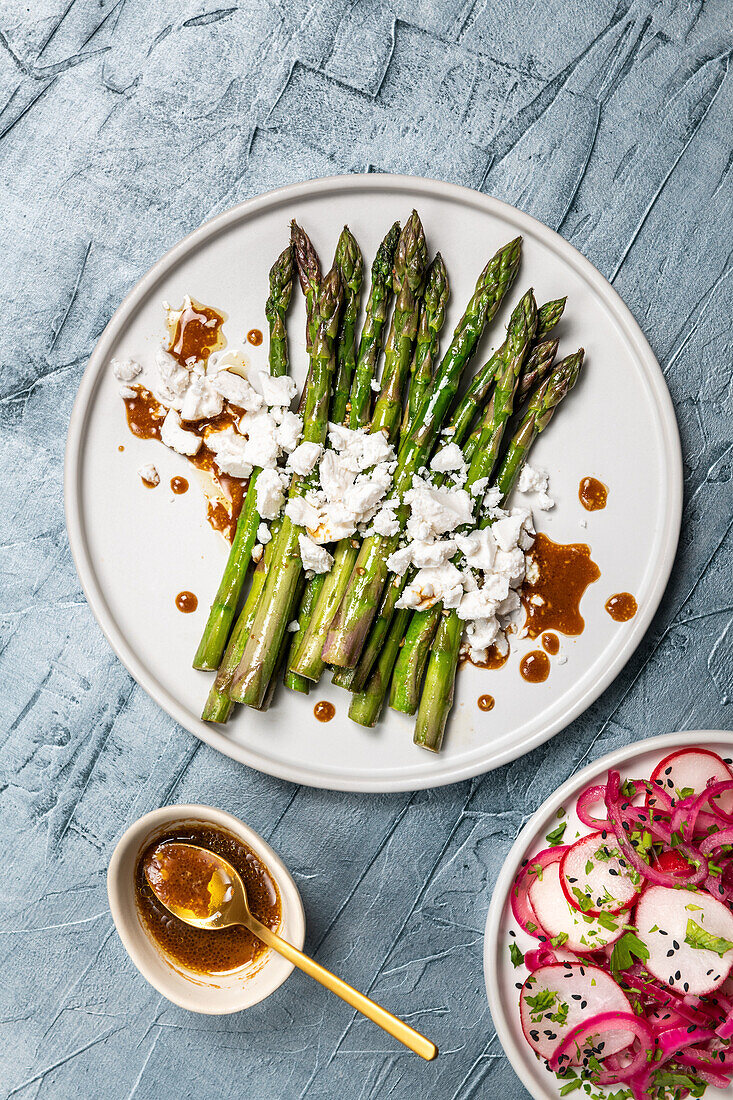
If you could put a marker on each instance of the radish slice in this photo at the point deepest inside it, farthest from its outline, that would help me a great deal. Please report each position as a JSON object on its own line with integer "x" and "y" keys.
{"x": 596, "y": 878}
{"x": 690, "y": 771}
{"x": 556, "y": 999}
{"x": 662, "y": 918}
{"x": 558, "y": 918}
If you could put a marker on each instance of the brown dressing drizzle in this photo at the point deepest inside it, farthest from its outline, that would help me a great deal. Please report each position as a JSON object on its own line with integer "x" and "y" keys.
{"x": 145, "y": 416}
{"x": 485, "y": 702}
{"x": 186, "y": 602}
{"x": 550, "y": 643}
{"x": 195, "y": 332}
{"x": 255, "y": 337}
{"x": 553, "y": 602}
{"x": 535, "y": 666}
{"x": 592, "y": 494}
{"x": 198, "y": 950}
{"x": 621, "y": 607}
{"x": 324, "y": 711}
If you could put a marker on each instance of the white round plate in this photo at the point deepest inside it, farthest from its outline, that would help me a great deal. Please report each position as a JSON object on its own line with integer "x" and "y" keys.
{"x": 633, "y": 761}
{"x": 135, "y": 549}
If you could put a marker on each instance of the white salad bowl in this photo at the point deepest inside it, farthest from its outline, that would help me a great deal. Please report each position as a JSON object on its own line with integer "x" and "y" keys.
{"x": 216, "y": 994}
{"x": 500, "y": 976}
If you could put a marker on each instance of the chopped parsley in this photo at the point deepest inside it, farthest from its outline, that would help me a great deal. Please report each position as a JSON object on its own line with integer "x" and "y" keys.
{"x": 705, "y": 941}
{"x": 626, "y": 950}
{"x": 555, "y": 837}
{"x": 515, "y": 955}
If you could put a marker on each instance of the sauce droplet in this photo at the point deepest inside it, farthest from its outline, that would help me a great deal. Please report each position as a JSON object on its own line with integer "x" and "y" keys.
{"x": 255, "y": 337}
{"x": 179, "y": 485}
{"x": 324, "y": 711}
{"x": 535, "y": 666}
{"x": 485, "y": 702}
{"x": 121, "y": 447}
{"x": 592, "y": 494}
{"x": 621, "y": 607}
{"x": 552, "y": 602}
{"x": 550, "y": 643}
{"x": 186, "y": 602}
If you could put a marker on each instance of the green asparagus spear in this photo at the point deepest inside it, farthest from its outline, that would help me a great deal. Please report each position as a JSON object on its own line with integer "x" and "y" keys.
{"x": 309, "y": 273}
{"x": 410, "y": 269}
{"x": 432, "y": 316}
{"x": 370, "y": 344}
{"x": 219, "y": 623}
{"x": 437, "y": 695}
{"x": 350, "y": 264}
{"x": 250, "y": 681}
{"x": 357, "y": 609}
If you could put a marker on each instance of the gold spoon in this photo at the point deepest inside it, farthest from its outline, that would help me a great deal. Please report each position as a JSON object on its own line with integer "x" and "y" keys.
{"x": 211, "y": 895}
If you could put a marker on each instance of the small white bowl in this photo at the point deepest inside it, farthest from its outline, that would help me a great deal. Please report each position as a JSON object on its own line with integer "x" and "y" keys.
{"x": 219, "y": 993}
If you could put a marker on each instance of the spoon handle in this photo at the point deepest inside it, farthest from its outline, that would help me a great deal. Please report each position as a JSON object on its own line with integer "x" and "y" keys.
{"x": 400, "y": 1030}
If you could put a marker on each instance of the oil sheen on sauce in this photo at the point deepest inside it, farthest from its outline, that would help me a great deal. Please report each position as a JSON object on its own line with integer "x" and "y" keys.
{"x": 254, "y": 336}
{"x": 195, "y": 949}
{"x": 621, "y": 607}
{"x": 553, "y": 602}
{"x": 592, "y": 494}
{"x": 550, "y": 643}
{"x": 485, "y": 702}
{"x": 179, "y": 485}
{"x": 324, "y": 711}
{"x": 535, "y": 666}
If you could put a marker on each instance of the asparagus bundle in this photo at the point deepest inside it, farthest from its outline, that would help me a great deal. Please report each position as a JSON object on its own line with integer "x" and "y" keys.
{"x": 359, "y": 604}
{"x": 223, "y": 609}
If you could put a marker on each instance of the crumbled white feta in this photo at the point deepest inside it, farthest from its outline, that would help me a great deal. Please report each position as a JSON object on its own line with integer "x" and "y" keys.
{"x": 293, "y": 627}
{"x": 583, "y": 523}
{"x": 235, "y": 389}
{"x": 313, "y": 556}
{"x": 174, "y": 436}
{"x": 289, "y": 431}
{"x": 436, "y": 511}
{"x": 277, "y": 391}
{"x": 375, "y": 385}
{"x": 385, "y": 521}
{"x": 201, "y": 401}
{"x": 270, "y": 493}
{"x": 478, "y": 486}
{"x": 448, "y": 458}
{"x": 533, "y": 480}
{"x": 304, "y": 457}
{"x": 562, "y": 659}
{"x": 125, "y": 370}
{"x": 257, "y": 552}
{"x": 506, "y": 531}
{"x": 149, "y": 474}
{"x": 263, "y": 534}
{"x": 478, "y": 548}
{"x": 173, "y": 380}
{"x": 127, "y": 392}
{"x": 444, "y": 583}
{"x": 230, "y": 450}
{"x": 532, "y": 570}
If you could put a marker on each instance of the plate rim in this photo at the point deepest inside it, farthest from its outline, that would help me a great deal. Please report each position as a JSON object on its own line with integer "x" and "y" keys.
{"x": 350, "y": 781}
{"x": 516, "y": 1055}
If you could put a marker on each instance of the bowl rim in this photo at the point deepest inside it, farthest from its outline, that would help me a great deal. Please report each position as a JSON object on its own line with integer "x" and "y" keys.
{"x": 202, "y": 997}
{"x": 518, "y": 1057}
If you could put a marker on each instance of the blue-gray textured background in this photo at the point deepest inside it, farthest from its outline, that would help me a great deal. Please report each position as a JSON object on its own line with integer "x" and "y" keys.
{"x": 126, "y": 123}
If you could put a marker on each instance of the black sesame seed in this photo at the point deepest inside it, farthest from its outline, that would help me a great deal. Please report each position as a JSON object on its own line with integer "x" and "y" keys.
{"x": 576, "y": 996}
{"x": 675, "y": 945}
{"x": 677, "y": 975}
{"x": 686, "y": 987}
{"x": 668, "y": 771}
{"x": 583, "y": 1004}
{"x": 662, "y": 932}
{"x": 670, "y": 953}
{"x": 691, "y": 1028}
{"x": 518, "y": 985}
